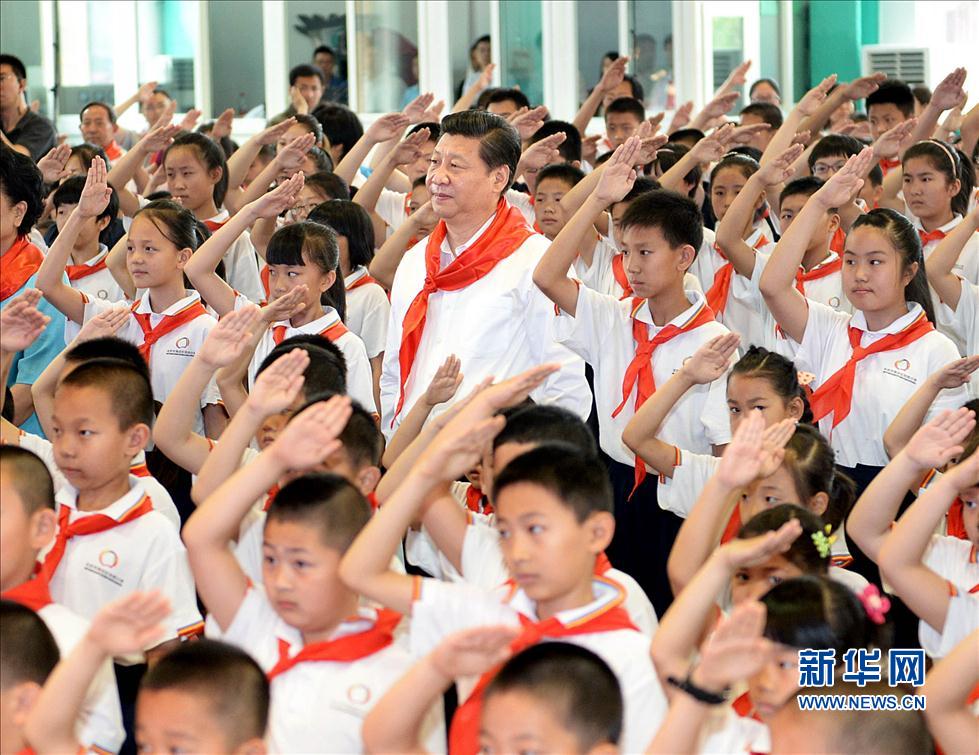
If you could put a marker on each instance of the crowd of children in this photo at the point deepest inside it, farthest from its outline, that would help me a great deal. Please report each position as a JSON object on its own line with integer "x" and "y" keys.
{"x": 484, "y": 433}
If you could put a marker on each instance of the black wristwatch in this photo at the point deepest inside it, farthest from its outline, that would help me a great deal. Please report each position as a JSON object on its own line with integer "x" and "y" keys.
{"x": 698, "y": 693}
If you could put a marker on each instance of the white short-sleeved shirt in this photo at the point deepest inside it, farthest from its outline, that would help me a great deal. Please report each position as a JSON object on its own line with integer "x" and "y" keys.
{"x": 162, "y": 501}
{"x": 317, "y": 706}
{"x": 601, "y": 333}
{"x": 724, "y": 731}
{"x": 241, "y": 263}
{"x": 392, "y": 208}
{"x": 679, "y": 493}
{"x": 143, "y": 554}
{"x": 483, "y": 565}
{"x": 99, "y": 284}
{"x": 444, "y": 608}
{"x": 962, "y": 325}
{"x": 600, "y": 276}
{"x": 360, "y": 381}
{"x": 961, "y": 620}
{"x": 953, "y": 559}
{"x": 523, "y": 202}
{"x": 171, "y": 355}
{"x": 883, "y": 382}
{"x": 498, "y": 326}
{"x": 100, "y": 721}
{"x": 368, "y": 311}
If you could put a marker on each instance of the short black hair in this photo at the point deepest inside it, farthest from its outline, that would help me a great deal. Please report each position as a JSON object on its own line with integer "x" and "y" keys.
{"x": 128, "y": 388}
{"x": 28, "y": 652}
{"x": 834, "y": 145}
{"x": 499, "y": 142}
{"x": 768, "y": 113}
{"x": 329, "y": 183}
{"x": 683, "y": 134}
{"x": 876, "y": 176}
{"x": 224, "y": 677}
{"x": 805, "y": 186}
{"x": 29, "y": 476}
{"x": 361, "y": 437}
{"x": 352, "y": 221}
{"x": 677, "y": 217}
{"x": 642, "y": 185}
{"x": 321, "y": 159}
{"x": 21, "y": 181}
{"x": 546, "y": 423}
{"x": 325, "y": 501}
{"x": 922, "y": 93}
{"x": 502, "y": 94}
{"x": 580, "y": 481}
{"x": 327, "y": 368}
{"x": 312, "y": 125}
{"x": 434, "y": 130}
{"x": 340, "y": 124}
{"x": 627, "y": 105}
{"x": 894, "y": 92}
{"x": 570, "y": 148}
{"x": 16, "y": 64}
{"x": 70, "y": 192}
{"x": 96, "y": 103}
{"x": 324, "y": 48}
{"x": 669, "y": 155}
{"x": 305, "y": 70}
{"x": 637, "y": 91}
{"x": 562, "y": 172}
{"x": 577, "y": 685}
{"x": 770, "y": 82}
{"x": 108, "y": 347}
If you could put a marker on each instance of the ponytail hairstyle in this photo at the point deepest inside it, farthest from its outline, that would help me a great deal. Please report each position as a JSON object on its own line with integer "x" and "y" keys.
{"x": 904, "y": 238}
{"x": 818, "y": 613}
{"x": 745, "y": 164}
{"x": 351, "y": 221}
{"x": 779, "y": 371}
{"x": 951, "y": 163}
{"x": 309, "y": 243}
{"x": 811, "y": 462}
{"x": 803, "y": 553}
{"x": 211, "y": 157}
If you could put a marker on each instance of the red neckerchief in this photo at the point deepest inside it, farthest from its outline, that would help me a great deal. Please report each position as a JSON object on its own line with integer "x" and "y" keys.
{"x": 168, "y": 324}
{"x": 732, "y": 526}
{"x": 270, "y": 496}
{"x": 331, "y": 333}
{"x": 618, "y": 272}
{"x": 955, "y": 522}
{"x": 886, "y": 165}
{"x": 140, "y": 470}
{"x": 928, "y": 236}
{"x": 602, "y": 564}
{"x": 503, "y": 237}
{"x": 17, "y": 266}
{"x": 88, "y": 525}
{"x": 838, "y": 242}
{"x": 351, "y": 647}
{"x": 76, "y": 272}
{"x": 476, "y": 501}
{"x": 213, "y": 225}
{"x": 820, "y": 271}
{"x": 464, "y": 731}
{"x": 717, "y": 295}
{"x": 33, "y": 593}
{"x": 640, "y": 370}
{"x": 363, "y": 281}
{"x": 744, "y": 707}
{"x": 836, "y": 392}
{"x": 113, "y": 151}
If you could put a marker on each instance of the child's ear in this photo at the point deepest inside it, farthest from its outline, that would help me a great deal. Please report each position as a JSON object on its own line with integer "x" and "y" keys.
{"x": 367, "y": 479}
{"x": 251, "y": 747}
{"x": 687, "y": 256}
{"x": 214, "y": 174}
{"x": 328, "y": 280}
{"x": 102, "y": 223}
{"x": 797, "y": 408}
{"x": 43, "y": 525}
{"x": 834, "y": 223}
{"x": 909, "y": 272}
{"x": 22, "y": 699}
{"x": 819, "y": 503}
{"x": 183, "y": 257}
{"x": 601, "y": 527}
{"x": 761, "y": 200}
{"x": 576, "y": 163}
{"x": 138, "y": 437}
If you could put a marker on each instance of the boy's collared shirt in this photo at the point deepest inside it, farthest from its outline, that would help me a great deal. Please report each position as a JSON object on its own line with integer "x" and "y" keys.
{"x": 317, "y": 706}
{"x": 961, "y": 620}
{"x": 240, "y": 261}
{"x": 953, "y": 559}
{"x": 962, "y": 325}
{"x": 883, "y": 382}
{"x": 95, "y": 280}
{"x": 368, "y": 311}
{"x": 442, "y": 609}
{"x": 142, "y": 554}
{"x": 601, "y": 333}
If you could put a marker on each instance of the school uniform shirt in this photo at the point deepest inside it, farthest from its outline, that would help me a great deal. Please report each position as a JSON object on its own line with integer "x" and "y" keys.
{"x": 962, "y": 325}
{"x": 498, "y": 326}
{"x": 724, "y": 731}
{"x": 955, "y": 560}
{"x": 883, "y": 382}
{"x": 171, "y": 354}
{"x": 601, "y": 333}
{"x": 162, "y": 501}
{"x": 360, "y": 381}
{"x": 961, "y": 620}
{"x": 94, "y": 279}
{"x": 392, "y": 208}
{"x": 442, "y": 609}
{"x": 483, "y": 565}
{"x": 368, "y": 310}
{"x": 318, "y": 706}
{"x": 523, "y": 202}
{"x": 143, "y": 554}
{"x": 240, "y": 261}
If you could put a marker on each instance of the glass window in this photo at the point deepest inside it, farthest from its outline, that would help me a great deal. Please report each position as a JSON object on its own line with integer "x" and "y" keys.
{"x": 727, "y": 33}
{"x": 598, "y": 34}
{"x": 469, "y": 21}
{"x": 236, "y": 57}
{"x": 387, "y": 55}
{"x": 521, "y": 53}
{"x": 167, "y": 33}
{"x": 85, "y": 59}
{"x": 651, "y": 27}
{"x": 314, "y": 23}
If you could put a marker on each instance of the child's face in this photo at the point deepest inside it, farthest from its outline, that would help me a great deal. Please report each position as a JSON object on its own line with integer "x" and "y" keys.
{"x": 419, "y": 196}
{"x": 727, "y": 183}
{"x": 88, "y": 233}
{"x": 89, "y": 447}
{"x": 620, "y": 126}
{"x": 871, "y": 194}
{"x": 776, "y": 683}
{"x": 188, "y": 179}
{"x": 175, "y": 720}
{"x": 300, "y": 575}
{"x": 75, "y": 167}
{"x": 97, "y": 128}
{"x": 927, "y": 191}
{"x": 284, "y": 278}
{"x": 153, "y": 108}
{"x": 768, "y": 492}
{"x": 883, "y": 116}
{"x": 789, "y": 209}
{"x": 753, "y": 582}
{"x": 547, "y": 206}
{"x": 258, "y": 165}
{"x": 518, "y": 721}
{"x": 745, "y": 393}
{"x": 151, "y": 258}
{"x": 548, "y": 552}
{"x": 293, "y": 132}
{"x": 873, "y": 274}
{"x": 828, "y": 166}
{"x": 419, "y": 167}
{"x": 843, "y": 112}
{"x": 308, "y": 200}
{"x": 651, "y": 264}
{"x": 21, "y": 536}
{"x": 761, "y": 139}
{"x": 617, "y": 212}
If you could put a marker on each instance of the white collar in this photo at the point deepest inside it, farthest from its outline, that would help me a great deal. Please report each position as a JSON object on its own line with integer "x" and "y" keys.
{"x": 956, "y": 219}
{"x": 99, "y": 256}
{"x": 859, "y": 321}
{"x": 143, "y": 304}
{"x": 355, "y": 275}
{"x": 461, "y": 248}
{"x": 68, "y": 496}
{"x": 330, "y": 318}
{"x": 221, "y": 217}
{"x": 696, "y": 300}
{"x": 365, "y": 619}
{"x": 607, "y": 594}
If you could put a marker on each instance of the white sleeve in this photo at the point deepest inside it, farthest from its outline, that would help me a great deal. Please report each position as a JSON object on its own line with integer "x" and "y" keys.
{"x": 390, "y": 208}
{"x": 241, "y": 268}
{"x": 823, "y": 327}
{"x": 482, "y": 560}
{"x": 963, "y": 322}
{"x": 961, "y": 620}
{"x": 360, "y": 379}
{"x": 374, "y": 325}
{"x": 443, "y": 608}
{"x": 253, "y": 629}
{"x": 585, "y": 332}
{"x": 679, "y": 493}
{"x": 169, "y": 572}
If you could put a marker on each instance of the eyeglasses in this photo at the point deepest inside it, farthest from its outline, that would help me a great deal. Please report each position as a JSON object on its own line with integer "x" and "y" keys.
{"x": 303, "y": 210}
{"x": 821, "y": 170}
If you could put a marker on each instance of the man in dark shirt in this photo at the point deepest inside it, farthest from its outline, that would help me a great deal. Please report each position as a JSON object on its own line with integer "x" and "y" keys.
{"x": 23, "y": 129}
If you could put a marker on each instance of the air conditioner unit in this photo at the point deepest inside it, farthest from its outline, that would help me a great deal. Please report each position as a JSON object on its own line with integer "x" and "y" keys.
{"x": 909, "y": 64}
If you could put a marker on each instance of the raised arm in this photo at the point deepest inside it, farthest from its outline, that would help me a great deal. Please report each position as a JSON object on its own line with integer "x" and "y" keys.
{"x": 714, "y": 110}
{"x": 21, "y": 323}
{"x": 287, "y": 162}
{"x": 708, "y": 150}
{"x": 943, "y": 257}
{"x": 969, "y": 130}
{"x": 244, "y": 156}
{"x": 384, "y": 128}
{"x": 947, "y": 689}
{"x": 792, "y": 124}
{"x": 140, "y": 95}
{"x": 857, "y": 89}
{"x": 707, "y": 364}
{"x": 160, "y": 136}
{"x": 946, "y": 95}
{"x": 406, "y": 151}
{"x": 612, "y": 77}
{"x": 389, "y": 256}
{"x": 469, "y": 96}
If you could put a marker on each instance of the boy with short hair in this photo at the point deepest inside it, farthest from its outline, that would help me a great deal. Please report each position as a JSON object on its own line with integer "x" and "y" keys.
{"x": 204, "y": 696}
{"x": 27, "y": 524}
{"x": 892, "y": 103}
{"x": 762, "y": 113}
{"x": 633, "y": 344}
{"x": 623, "y": 117}
{"x": 506, "y": 102}
{"x": 553, "y": 510}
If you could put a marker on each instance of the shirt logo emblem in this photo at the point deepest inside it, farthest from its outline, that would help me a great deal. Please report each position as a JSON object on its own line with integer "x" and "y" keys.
{"x": 102, "y": 294}
{"x": 109, "y": 559}
{"x": 359, "y": 694}
{"x": 834, "y": 301}
{"x": 903, "y": 365}
{"x": 183, "y": 343}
